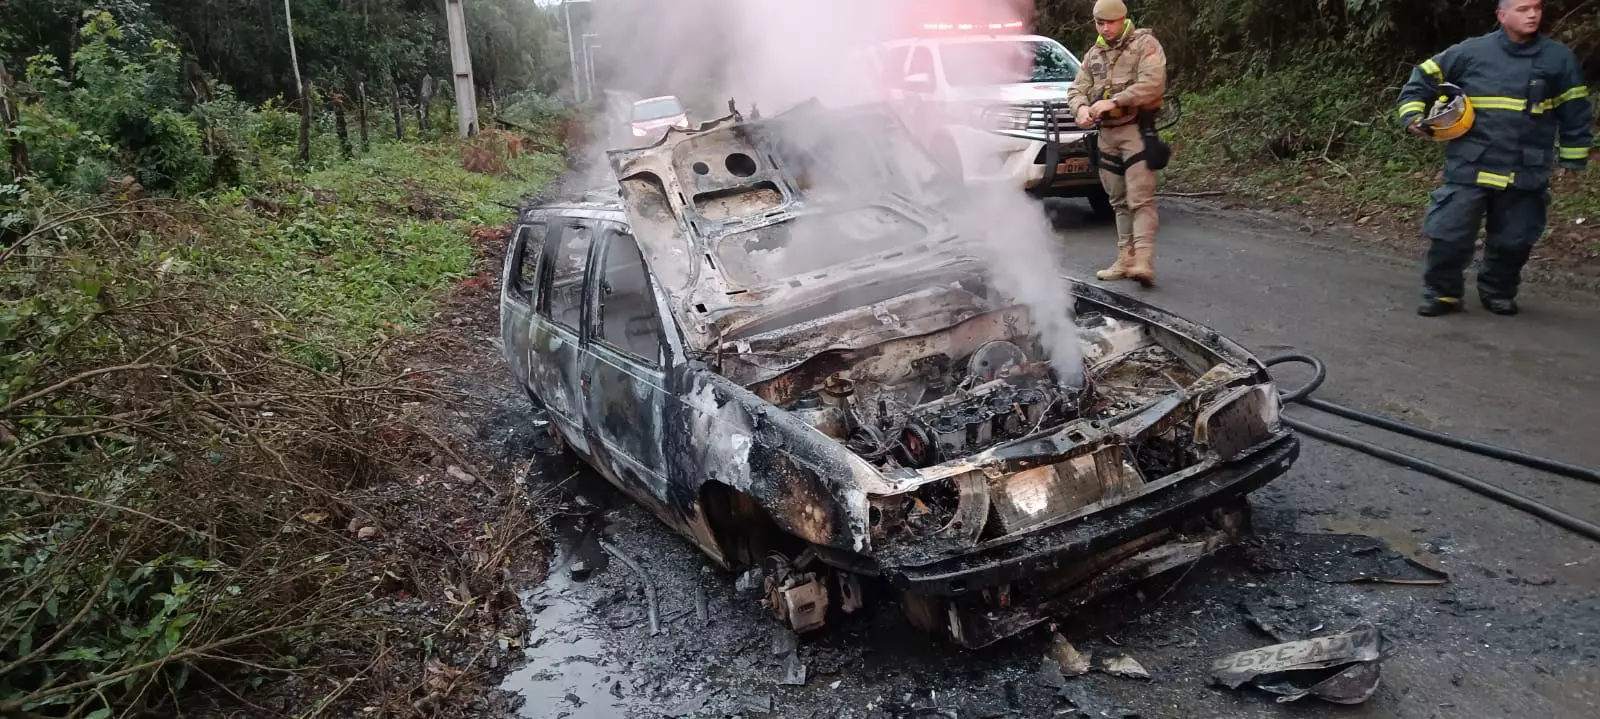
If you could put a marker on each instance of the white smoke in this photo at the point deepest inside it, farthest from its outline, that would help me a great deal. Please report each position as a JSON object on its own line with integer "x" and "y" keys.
{"x": 775, "y": 54}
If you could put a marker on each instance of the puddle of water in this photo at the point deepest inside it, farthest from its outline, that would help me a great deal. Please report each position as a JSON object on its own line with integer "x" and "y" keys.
{"x": 566, "y": 676}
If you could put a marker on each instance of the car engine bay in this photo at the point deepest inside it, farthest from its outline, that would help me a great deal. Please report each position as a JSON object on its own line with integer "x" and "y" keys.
{"x": 979, "y": 392}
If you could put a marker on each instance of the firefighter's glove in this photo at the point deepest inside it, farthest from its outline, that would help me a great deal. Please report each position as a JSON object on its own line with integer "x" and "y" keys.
{"x": 1418, "y": 128}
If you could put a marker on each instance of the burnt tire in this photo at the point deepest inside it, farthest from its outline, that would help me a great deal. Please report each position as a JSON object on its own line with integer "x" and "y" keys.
{"x": 742, "y": 528}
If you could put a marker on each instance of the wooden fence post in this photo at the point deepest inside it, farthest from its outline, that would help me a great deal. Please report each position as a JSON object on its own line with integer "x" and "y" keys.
{"x": 305, "y": 123}
{"x": 340, "y": 126}
{"x": 361, "y": 91}
{"x": 424, "y": 105}
{"x": 399, "y": 115}
{"x": 8, "y": 124}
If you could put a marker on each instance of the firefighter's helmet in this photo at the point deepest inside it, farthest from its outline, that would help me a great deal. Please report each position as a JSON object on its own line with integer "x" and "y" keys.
{"x": 1450, "y": 116}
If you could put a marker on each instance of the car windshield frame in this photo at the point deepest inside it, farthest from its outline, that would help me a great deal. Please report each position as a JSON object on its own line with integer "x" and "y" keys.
{"x": 1063, "y": 67}
{"x": 740, "y": 266}
{"x": 639, "y": 111}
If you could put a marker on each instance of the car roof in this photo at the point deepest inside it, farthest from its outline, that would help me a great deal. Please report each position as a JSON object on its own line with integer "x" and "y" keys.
{"x": 653, "y": 99}
{"x": 602, "y": 198}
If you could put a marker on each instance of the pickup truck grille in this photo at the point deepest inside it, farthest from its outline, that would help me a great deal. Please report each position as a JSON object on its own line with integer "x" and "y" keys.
{"x": 1033, "y": 119}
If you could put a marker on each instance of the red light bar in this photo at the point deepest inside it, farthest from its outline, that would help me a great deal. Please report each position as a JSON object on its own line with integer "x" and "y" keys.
{"x": 967, "y": 26}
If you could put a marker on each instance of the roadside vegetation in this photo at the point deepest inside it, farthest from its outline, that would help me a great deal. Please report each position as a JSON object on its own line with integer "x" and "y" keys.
{"x": 1292, "y": 104}
{"x": 210, "y": 421}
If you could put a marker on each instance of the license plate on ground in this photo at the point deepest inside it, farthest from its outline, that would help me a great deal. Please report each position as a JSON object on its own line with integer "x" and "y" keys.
{"x": 1072, "y": 166}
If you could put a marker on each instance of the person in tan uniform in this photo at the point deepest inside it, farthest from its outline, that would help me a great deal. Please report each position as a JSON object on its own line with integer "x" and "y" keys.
{"x": 1122, "y": 75}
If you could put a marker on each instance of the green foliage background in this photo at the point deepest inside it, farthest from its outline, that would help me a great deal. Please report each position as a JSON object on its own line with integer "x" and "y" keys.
{"x": 192, "y": 324}
{"x": 1291, "y": 101}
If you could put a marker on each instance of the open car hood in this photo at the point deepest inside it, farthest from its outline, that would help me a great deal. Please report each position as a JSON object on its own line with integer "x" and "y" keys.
{"x": 692, "y": 189}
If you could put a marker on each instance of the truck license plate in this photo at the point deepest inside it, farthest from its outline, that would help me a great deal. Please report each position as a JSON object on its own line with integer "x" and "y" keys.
{"x": 1073, "y": 165}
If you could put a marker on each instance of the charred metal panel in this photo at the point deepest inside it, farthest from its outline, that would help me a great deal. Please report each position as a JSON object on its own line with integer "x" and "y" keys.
{"x": 626, "y": 404}
{"x": 809, "y": 484}
{"x": 1033, "y": 497}
{"x": 553, "y": 373}
{"x": 1058, "y": 545}
{"x": 516, "y": 309}
{"x": 879, "y": 341}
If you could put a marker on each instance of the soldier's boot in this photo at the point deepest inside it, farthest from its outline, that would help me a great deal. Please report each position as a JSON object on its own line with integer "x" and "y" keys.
{"x": 1118, "y": 269}
{"x": 1142, "y": 269}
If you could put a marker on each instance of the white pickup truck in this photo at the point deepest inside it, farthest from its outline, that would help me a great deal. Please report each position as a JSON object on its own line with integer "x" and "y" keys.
{"x": 993, "y": 108}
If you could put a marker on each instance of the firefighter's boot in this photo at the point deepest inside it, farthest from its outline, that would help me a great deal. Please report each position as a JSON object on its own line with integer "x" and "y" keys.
{"x": 1119, "y": 269}
{"x": 1140, "y": 268}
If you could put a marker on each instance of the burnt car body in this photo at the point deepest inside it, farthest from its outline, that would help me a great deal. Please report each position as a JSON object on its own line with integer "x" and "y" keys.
{"x": 887, "y": 412}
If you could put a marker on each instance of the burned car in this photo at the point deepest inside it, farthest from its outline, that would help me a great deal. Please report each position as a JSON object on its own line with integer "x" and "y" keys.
{"x": 831, "y": 411}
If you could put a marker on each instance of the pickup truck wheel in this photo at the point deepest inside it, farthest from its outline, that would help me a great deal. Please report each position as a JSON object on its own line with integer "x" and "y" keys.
{"x": 1100, "y": 204}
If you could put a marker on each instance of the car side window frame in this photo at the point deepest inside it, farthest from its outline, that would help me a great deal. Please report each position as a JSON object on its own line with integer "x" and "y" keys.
{"x": 528, "y": 242}
{"x": 554, "y": 237}
{"x": 593, "y": 311}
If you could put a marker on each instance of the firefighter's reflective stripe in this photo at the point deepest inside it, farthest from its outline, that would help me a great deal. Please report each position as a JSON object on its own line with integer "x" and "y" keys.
{"x": 1499, "y": 182}
{"x": 1412, "y": 107}
{"x": 1574, "y": 153}
{"x": 1432, "y": 68}
{"x": 1576, "y": 93}
{"x": 1490, "y": 102}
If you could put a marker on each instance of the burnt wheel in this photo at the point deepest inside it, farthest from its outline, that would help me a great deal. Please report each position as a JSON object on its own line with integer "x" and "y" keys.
{"x": 743, "y": 530}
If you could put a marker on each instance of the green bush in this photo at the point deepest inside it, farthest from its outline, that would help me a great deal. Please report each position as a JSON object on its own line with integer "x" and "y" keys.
{"x": 120, "y": 108}
{"x": 164, "y": 516}
{"x": 532, "y": 109}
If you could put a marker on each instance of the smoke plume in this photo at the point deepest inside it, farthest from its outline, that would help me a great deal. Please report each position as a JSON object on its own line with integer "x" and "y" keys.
{"x": 776, "y": 54}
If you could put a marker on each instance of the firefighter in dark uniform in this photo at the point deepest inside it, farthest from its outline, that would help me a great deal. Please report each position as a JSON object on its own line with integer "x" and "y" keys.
{"x": 1511, "y": 104}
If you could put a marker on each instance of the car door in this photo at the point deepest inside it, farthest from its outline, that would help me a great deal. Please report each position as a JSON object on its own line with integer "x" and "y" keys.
{"x": 518, "y": 279}
{"x": 554, "y": 333}
{"x": 624, "y": 367}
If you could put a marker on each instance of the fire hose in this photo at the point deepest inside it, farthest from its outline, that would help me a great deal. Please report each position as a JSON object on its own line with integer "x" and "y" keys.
{"x": 1538, "y": 509}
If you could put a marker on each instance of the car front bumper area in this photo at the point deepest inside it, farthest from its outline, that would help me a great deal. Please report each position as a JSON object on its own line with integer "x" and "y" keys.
{"x": 1056, "y": 548}
{"x": 1034, "y": 163}
{"x": 1001, "y": 588}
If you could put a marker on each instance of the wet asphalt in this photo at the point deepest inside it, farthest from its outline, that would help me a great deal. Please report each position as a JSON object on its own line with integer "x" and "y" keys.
{"x": 1514, "y": 632}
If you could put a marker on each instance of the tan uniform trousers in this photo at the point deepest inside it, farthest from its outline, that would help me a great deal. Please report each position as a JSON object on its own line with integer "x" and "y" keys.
{"x": 1133, "y": 193}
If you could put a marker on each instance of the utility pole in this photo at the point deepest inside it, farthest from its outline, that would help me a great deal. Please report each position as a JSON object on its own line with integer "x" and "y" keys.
{"x": 588, "y": 63}
{"x": 461, "y": 59}
{"x": 294, "y": 58}
{"x": 592, "y": 48}
{"x": 572, "y": 50}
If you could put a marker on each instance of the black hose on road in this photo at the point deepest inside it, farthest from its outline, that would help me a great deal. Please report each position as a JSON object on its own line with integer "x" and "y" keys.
{"x": 1487, "y": 450}
{"x": 1320, "y": 374}
{"x": 1499, "y": 494}
{"x": 1504, "y": 496}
